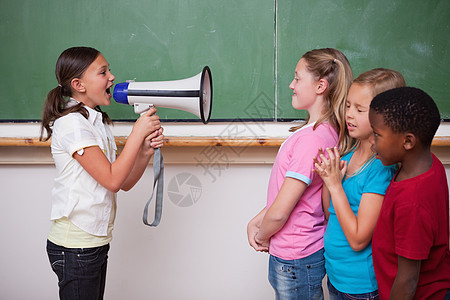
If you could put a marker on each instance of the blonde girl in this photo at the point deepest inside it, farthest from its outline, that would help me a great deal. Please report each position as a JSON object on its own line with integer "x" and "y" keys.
{"x": 292, "y": 224}
{"x": 357, "y": 184}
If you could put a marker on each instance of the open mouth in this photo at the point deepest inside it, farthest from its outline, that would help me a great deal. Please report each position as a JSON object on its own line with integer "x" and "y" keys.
{"x": 108, "y": 91}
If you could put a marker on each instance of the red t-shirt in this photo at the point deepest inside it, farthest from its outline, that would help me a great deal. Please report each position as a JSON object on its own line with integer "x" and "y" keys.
{"x": 414, "y": 223}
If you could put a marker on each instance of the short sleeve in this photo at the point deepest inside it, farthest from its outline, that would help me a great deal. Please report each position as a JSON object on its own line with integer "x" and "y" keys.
{"x": 74, "y": 132}
{"x": 413, "y": 231}
{"x": 303, "y": 151}
{"x": 379, "y": 178}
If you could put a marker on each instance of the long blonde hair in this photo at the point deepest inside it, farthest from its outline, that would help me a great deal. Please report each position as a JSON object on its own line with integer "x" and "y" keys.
{"x": 332, "y": 65}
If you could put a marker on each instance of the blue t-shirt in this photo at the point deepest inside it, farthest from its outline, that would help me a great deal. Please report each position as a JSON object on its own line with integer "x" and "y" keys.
{"x": 350, "y": 271}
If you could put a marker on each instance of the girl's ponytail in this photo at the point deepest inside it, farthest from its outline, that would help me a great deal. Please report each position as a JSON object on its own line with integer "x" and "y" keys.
{"x": 53, "y": 109}
{"x": 71, "y": 64}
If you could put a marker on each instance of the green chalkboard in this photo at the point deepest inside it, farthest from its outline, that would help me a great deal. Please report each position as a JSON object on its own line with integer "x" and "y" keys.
{"x": 144, "y": 40}
{"x": 410, "y": 36}
{"x": 251, "y": 46}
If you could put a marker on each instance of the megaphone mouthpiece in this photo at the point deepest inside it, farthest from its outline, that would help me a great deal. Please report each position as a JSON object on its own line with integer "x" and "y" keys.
{"x": 121, "y": 92}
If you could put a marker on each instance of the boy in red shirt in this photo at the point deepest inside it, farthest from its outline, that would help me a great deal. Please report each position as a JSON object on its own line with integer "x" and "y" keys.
{"x": 411, "y": 239}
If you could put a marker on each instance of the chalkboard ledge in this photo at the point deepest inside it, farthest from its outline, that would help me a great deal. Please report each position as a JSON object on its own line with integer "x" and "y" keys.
{"x": 236, "y": 144}
{"x": 232, "y": 134}
{"x": 173, "y": 141}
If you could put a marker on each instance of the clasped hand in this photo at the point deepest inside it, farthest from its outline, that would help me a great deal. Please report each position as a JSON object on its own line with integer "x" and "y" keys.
{"x": 252, "y": 231}
{"x": 330, "y": 169}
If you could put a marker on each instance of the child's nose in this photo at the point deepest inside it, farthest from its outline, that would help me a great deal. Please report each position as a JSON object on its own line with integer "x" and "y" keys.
{"x": 348, "y": 113}
{"x": 291, "y": 86}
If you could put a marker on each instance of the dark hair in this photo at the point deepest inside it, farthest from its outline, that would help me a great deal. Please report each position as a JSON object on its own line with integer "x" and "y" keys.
{"x": 408, "y": 109}
{"x": 71, "y": 64}
{"x": 332, "y": 65}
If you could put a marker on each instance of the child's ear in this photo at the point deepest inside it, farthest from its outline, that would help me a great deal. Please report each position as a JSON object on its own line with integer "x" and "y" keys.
{"x": 322, "y": 86}
{"x": 410, "y": 141}
{"x": 77, "y": 85}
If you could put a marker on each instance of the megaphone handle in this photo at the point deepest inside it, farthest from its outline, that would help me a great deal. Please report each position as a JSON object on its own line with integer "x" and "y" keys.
{"x": 158, "y": 170}
{"x": 141, "y": 108}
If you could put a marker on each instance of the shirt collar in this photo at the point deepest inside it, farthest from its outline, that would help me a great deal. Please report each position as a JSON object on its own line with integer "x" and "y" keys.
{"x": 309, "y": 125}
{"x": 93, "y": 114}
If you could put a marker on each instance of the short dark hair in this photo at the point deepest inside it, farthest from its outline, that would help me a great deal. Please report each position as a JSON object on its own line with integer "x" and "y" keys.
{"x": 408, "y": 109}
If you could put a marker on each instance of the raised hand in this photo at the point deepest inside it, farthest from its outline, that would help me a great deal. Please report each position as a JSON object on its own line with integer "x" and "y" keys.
{"x": 147, "y": 124}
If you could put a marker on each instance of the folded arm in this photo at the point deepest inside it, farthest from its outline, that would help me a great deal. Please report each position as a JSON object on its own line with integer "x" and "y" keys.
{"x": 280, "y": 210}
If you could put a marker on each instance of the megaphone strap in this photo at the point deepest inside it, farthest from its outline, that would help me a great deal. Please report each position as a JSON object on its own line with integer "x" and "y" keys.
{"x": 158, "y": 173}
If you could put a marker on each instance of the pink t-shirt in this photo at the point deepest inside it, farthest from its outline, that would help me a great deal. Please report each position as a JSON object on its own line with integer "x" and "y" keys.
{"x": 302, "y": 235}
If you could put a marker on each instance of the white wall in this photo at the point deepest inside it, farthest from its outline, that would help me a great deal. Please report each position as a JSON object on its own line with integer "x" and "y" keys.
{"x": 197, "y": 252}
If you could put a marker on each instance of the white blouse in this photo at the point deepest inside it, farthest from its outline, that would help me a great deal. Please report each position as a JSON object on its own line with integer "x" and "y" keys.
{"x": 76, "y": 195}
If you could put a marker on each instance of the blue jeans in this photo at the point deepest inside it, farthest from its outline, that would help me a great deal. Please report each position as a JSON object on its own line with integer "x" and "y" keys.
{"x": 81, "y": 272}
{"x": 299, "y": 278}
{"x": 336, "y": 295}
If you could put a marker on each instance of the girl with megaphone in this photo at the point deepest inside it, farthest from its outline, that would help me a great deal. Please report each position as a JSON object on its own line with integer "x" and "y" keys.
{"x": 88, "y": 176}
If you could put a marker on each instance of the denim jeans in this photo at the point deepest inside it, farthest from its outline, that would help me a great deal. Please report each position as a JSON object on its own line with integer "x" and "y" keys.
{"x": 81, "y": 272}
{"x": 299, "y": 278}
{"x": 337, "y": 295}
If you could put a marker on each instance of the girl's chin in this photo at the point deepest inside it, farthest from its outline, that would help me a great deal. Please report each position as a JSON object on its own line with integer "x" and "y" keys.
{"x": 353, "y": 134}
{"x": 297, "y": 106}
{"x": 105, "y": 103}
{"x": 108, "y": 99}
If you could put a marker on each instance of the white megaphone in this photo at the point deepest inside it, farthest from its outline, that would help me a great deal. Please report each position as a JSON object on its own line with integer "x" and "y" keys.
{"x": 192, "y": 94}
